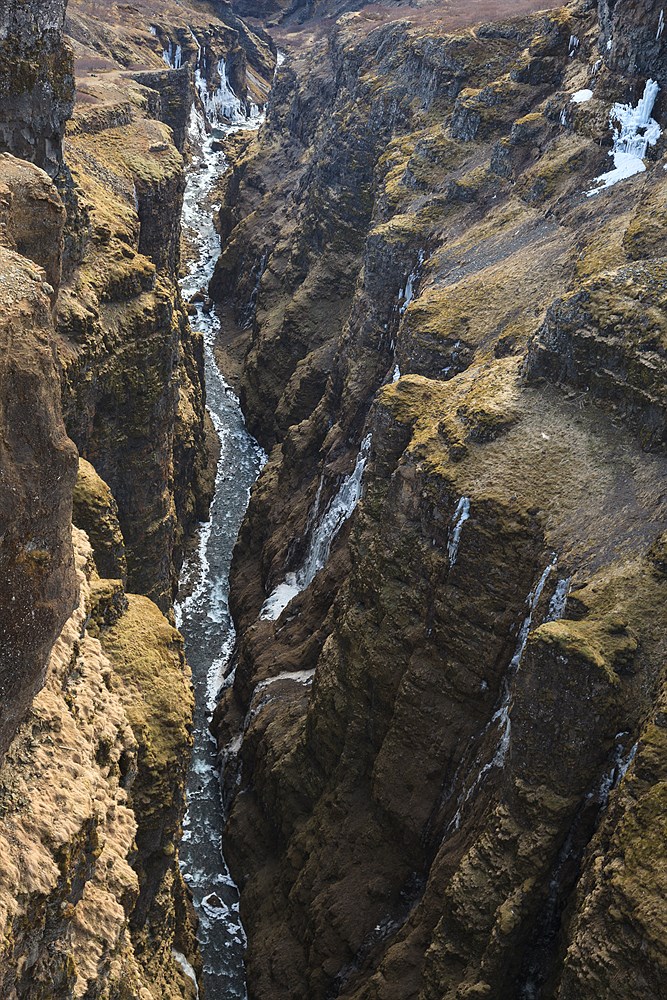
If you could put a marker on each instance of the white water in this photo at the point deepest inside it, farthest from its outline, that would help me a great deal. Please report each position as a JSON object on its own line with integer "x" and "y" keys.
{"x": 202, "y": 612}
{"x": 634, "y": 130}
{"x": 407, "y": 294}
{"x": 323, "y": 533}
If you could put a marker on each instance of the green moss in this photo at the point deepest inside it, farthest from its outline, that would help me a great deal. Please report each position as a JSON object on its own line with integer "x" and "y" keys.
{"x": 152, "y": 677}
{"x": 96, "y": 512}
{"x": 600, "y": 643}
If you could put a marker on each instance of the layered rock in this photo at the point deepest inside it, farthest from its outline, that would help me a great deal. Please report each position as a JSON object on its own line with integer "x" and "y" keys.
{"x": 36, "y": 81}
{"x": 37, "y": 460}
{"x": 633, "y": 37}
{"x": 88, "y": 890}
{"x": 439, "y": 730}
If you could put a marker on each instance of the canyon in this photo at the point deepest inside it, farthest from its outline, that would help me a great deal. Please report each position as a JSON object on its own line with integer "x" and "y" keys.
{"x": 333, "y": 422}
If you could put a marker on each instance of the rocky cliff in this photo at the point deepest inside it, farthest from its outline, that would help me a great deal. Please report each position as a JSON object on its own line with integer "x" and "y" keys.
{"x": 97, "y": 352}
{"x": 36, "y": 81}
{"x": 451, "y": 770}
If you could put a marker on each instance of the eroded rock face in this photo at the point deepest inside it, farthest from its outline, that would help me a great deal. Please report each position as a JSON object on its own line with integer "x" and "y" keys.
{"x": 438, "y": 768}
{"x": 38, "y": 468}
{"x": 32, "y": 216}
{"x": 36, "y": 82}
{"x": 633, "y": 37}
{"x": 103, "y": 746}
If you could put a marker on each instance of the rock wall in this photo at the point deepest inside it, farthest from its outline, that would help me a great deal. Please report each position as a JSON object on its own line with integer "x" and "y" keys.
{"x": 37, "y": 460}
{"x": 88, "y": 886}
{"x": 36, "y": 81}
{"x": 449, "y": 734}
{"x": 633, "y": 37}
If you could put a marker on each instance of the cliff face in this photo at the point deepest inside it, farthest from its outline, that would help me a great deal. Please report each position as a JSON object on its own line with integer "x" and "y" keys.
{"x": 96, "y": 708}
{"x": 36, "y": 82}
{"x": 452, "y": 760}
{"x": 89, "y": 886}
{"x": 38, "y": 461}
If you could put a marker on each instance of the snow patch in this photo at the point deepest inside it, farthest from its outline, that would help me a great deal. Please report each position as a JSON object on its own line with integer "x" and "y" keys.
{"x": 581, "y": 97}
{"x": 187, "y": 969}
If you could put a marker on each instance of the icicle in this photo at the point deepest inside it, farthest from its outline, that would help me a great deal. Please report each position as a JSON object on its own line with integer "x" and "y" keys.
{"x": 661, "y": 25}
{"x": 460, "y": 516}
{"x": 634, "y": 132}
{"x": 574, "y": 45}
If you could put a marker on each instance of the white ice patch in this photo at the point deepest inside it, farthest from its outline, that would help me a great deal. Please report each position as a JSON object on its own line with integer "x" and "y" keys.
{"x": 634, "y": 130}
{"x": 187, "y": 969}
{"x": 300, "y": 676}
{"x": 407, "y": 294}
{"x": 459, "y": 518}
{"x": 396, "y": 374}
{"x": 559, "y": 600}
{"x": 661, "y": 25}
{"x": 581, "y": 97}
{"x": 574, "y": 45}
{"x": 173, "y": 56}
{"x": 341, "y": 508}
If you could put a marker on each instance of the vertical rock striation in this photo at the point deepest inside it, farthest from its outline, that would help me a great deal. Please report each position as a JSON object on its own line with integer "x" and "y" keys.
{"x": 36, "y": 81}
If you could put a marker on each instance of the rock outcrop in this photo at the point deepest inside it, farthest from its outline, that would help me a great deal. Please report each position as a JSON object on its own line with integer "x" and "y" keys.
{"x": 36, "y": 81}
{"x": 38, "y": 467}
{"x": 449, "y": 731}
{"x": 89, "y": 885}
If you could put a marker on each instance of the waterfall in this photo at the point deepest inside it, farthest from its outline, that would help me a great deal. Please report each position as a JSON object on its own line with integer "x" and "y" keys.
{"x": 221, "y": 106}
{"x": 561, "y": 881}
{"x": 501, "y": 717}
{"x": 340, "y": 508}
{"x": 407, "y": 294}
{"x": 634, "y": 130}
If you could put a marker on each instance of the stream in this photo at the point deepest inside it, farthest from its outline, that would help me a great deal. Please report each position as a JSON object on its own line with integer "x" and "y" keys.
{"x": 202, "y": 611}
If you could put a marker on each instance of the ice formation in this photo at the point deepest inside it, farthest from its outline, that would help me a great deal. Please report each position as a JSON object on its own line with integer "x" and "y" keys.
{"x": 460, "y": 516}
{"x": 337, "y": 513}
{"x": 581, "y": 97}
{"x": 634, "y": 131}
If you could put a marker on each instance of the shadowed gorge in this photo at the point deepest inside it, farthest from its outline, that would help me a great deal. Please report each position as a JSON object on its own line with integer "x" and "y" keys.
{"x": 334, "y": 664}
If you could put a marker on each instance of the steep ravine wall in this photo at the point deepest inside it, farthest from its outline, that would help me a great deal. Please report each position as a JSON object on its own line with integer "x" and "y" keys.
{"x": 96, "y": 713}
{"x": 451, "y": 772}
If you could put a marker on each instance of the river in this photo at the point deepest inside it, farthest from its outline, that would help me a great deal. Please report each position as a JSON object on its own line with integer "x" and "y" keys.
{"x": 202, "y": 611}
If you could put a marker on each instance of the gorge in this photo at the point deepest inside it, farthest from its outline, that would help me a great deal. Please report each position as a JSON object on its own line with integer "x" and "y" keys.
{"x": 355, "y": 316}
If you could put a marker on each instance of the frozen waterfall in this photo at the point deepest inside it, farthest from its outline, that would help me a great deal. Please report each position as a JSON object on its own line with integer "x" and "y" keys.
{"x": 337, "y": 513}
